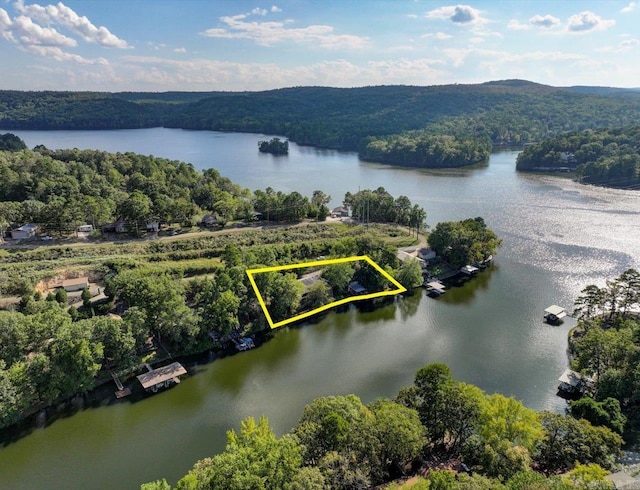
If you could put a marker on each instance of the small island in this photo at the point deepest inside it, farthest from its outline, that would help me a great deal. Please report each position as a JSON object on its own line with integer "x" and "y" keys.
{"x": 275, "y": 146}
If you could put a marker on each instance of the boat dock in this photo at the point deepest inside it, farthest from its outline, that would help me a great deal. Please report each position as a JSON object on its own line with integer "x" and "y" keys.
{"x": 122, "y": 391}
{"x": 162, "y": 377}
{"x": 554, "y": 314}
{"x": 435, "y": 288}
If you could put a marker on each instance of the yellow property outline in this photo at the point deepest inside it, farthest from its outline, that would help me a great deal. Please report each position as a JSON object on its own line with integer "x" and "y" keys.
{"x": 277, "y": 268}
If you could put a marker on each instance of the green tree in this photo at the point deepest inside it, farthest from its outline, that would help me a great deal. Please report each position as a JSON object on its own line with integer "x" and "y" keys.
{"x": 61, "y": 296}
{"x": 317, "y": 295}
{"x": 410, "y": 274}
{"x": 136, "y": 208}
{"x": 589, "y": 476}
{"x": 567, "y": 441}
{"x": 308, "y": 478}
{"x": 606, "y": 412}
{"x": 156, "y": 485}
{"x": 338, "y": 276}
{"x": 399, "y": 430}
{"x": 508, "y": 419}
{"x": 254, "y": 458}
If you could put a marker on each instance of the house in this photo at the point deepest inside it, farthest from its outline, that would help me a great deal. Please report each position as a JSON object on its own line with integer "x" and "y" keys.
{"x": 153, "y": 226}
{"x": 426, "y": 254}
{"x": 403, "y": 256}
{"x": 118, "y": 226}
{"x": 77, "y": 284}
{"x": 209, "y": 221}
{"x": 340, "y": 212}
{"x": 25, "y": 232}
{"x": 356, "y": 288}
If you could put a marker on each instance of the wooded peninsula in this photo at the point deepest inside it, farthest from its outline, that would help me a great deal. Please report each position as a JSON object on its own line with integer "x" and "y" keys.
{"x": 431, "y": 127}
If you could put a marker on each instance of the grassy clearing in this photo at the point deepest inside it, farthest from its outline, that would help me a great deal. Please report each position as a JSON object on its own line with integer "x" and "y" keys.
{"x": 182, "y": 256}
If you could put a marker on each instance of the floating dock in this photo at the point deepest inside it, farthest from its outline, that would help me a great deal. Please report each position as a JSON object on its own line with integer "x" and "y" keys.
{"x": 436, "y": 288}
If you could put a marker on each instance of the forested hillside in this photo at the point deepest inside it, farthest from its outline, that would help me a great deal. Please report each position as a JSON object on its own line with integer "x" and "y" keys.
{"x": 377, "y": 121}
{"x": 609, "y": 157}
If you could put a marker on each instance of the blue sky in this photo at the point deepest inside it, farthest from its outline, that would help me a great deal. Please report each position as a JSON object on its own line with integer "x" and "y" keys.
{"x": 160, "y": 45}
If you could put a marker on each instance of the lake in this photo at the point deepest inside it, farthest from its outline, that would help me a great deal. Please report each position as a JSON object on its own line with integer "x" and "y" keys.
{"x": 558, "y": 237}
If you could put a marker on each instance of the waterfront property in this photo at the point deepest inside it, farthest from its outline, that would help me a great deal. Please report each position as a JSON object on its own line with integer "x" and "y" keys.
{"x": 162, "y": 377}
{"x": 554, "y": 314}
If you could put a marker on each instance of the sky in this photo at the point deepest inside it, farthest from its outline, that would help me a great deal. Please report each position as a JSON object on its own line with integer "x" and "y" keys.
{"x": 235, "y": 45}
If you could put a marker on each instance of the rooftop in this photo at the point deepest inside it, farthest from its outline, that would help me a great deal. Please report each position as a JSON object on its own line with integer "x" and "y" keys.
{"x": 160, "y": 375}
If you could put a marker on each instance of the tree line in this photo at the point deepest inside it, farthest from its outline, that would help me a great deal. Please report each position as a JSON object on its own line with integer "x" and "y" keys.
{"x": 605, "y": 345}
{"x": 50, "y": 351}
{"x": 62, "y": 189}
{"x": 341, "y": 443}
{"x": 608, "y": 157}
{"x": 394, "y": 124}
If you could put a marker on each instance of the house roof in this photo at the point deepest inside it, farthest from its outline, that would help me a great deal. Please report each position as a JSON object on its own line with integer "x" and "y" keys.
{"x": 75, "y": 282}
{"x": 340, "y": 209}
{"x": 29, "y": 227}
{"x": 160, "y": 375}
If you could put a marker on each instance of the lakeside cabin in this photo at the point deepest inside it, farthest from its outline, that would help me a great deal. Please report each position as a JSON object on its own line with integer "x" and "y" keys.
{"x": 554, "y": 314}
{"x": 356, "y": 288}
{"x": 162, "y": 377}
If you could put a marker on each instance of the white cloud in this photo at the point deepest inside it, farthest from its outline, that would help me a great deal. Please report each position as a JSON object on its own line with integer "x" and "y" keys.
{"x": 544, "y": 21}
{"x": 202, "y": 74}
{"x": 588, "y": 21}
{"x": 270, "y": 33}
{"x": 458, "y": 14}
{"x": 515, "y": 25}
{"x": 28, "y": 33}
{"x": 629, "y": 8}
{"x": 275, "y": 8}
{"x": 537, "y": 21}
{"x": 5, "y": 25}
{"x": 66, "y": 17}
{"x": 259, "y": 11}
{"x": 440, "y": 36}
{"x": 476, "y": 40}
{"x": 630, "y": 43}
{"x": 57, "y": 54}
{"x": 180, "y": 50}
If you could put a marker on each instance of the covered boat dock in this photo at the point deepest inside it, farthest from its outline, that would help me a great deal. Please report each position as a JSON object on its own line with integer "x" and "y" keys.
{"x": 554, "y": 314}
{"x": 162, "y": 377}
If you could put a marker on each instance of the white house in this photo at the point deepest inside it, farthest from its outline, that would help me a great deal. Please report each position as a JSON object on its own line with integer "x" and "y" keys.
{"x": 25, "y": 231}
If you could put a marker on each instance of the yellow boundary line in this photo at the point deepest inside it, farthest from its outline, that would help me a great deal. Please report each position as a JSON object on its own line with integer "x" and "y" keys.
{"x": 278, "y": 268}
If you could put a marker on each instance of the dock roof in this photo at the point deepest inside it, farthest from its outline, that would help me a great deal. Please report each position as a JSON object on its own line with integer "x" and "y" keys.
{"x": 160, "y": 375}
{"x": 571, "y": 378}
{"x": 556, "y": 310}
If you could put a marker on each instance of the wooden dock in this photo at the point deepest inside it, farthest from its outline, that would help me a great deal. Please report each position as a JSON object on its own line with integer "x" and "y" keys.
{"x": 122, "y": 391}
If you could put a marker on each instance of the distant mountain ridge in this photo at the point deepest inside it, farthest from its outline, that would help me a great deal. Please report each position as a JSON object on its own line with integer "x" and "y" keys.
{"x": 505, "y": 112}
